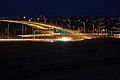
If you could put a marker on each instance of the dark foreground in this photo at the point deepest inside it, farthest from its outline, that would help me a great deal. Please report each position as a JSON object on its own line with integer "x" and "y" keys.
{"x": 96, "y": 59}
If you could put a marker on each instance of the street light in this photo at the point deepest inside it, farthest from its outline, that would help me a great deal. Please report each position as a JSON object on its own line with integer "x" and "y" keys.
{"x": 84, "y": 27}
{"x": 79, "y": 32}
{"x": 93, "y": 27}
{"x": 106, "y": 31}
{"x": 99, "y": 30}
{"x": 24, "y": 17}
{"x": 69, "y": 25}
{"x": 38, "y": 19}
{"x": 29, "y": 19}
{"x": 44, "y": 19}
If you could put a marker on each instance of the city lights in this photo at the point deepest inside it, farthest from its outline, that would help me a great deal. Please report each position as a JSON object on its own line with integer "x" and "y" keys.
{"x": 50, "y": 28}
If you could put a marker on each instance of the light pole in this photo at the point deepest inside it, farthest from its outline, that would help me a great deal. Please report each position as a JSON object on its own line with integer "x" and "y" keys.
{"x": 24, "y": 18}
{"x": 44, "y": 19}
{"x": 106, "y": 31}
{"x": 29, "y": 19}
{"x": 79, "y": 32}
{"x": 93, "y": 27}
{"x": 69, "y": 23}
{"x": 99, "y": 30}
{"x": 84, "y": 27}
{"x": 38, "y": 19}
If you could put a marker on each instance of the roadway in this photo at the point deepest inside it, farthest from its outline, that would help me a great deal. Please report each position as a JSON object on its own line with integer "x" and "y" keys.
{"x": 71, "y": 33}
{"x": 35, "y": 24}
{"x": 42, "y": 40}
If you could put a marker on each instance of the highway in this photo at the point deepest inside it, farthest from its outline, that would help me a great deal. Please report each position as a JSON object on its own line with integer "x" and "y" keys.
{"x": 33, "y": 24}
{"x": 74, "y": 34}
{"x": 41, "y": 40}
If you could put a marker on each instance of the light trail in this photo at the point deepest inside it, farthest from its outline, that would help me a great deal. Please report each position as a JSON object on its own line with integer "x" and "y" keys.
{"x": 39, "y": 25}
{"x": 71, "y": 33}
{"x": 40, "y": 40}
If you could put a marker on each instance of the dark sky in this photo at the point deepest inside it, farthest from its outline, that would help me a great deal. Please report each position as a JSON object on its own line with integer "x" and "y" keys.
{"x": 59, "y": 7}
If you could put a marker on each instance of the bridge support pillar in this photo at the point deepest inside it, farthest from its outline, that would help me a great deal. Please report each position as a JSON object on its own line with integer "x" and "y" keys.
{"x": 25, "y": 30}
{"x": 8, "y": 31}
{"x": 34, "y": 34}
{"x": 22, "y": 30}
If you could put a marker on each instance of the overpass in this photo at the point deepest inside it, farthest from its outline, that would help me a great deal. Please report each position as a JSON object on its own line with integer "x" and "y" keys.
{"x": 74, "y": 34}
{"x": 38, "y": 25}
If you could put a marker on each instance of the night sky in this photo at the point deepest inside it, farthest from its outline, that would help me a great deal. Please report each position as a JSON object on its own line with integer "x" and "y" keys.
{"x": 59, "y": 7}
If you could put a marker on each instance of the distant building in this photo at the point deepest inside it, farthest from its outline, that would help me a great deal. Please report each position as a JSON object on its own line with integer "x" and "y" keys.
{"x": 115, "y": 30}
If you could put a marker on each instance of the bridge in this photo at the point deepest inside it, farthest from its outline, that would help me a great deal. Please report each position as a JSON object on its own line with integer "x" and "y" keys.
{"x": 49, "y": 32}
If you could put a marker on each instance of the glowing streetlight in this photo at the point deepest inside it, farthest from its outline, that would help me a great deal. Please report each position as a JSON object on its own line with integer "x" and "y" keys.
{"x": 38, "y": 19}
{"x": 29, "y": 19}
{"x": 24, "y": 17}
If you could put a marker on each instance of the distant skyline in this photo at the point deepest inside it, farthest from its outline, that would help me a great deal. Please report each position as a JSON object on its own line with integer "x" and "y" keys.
{"x": 59, "y": 8}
